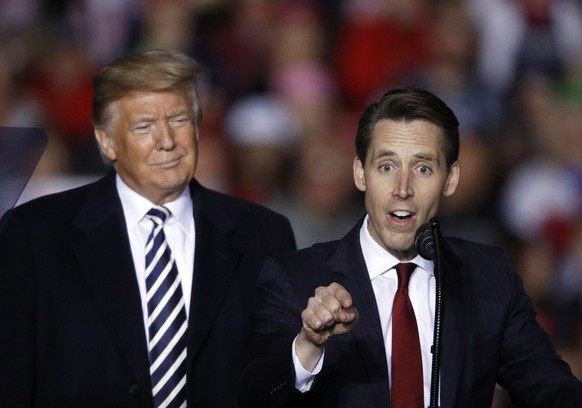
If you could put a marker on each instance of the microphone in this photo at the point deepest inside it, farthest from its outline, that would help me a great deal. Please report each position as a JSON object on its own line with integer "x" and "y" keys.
{"x": 424, "y": 242}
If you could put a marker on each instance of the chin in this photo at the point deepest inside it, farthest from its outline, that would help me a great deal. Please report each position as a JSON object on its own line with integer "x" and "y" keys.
{"x": 406, "y": 252}
{"x": 402, "y": 241}
{"x": 172, "y": 184}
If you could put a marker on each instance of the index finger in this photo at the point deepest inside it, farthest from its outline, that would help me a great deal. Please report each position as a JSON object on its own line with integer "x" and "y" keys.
{"x": 341, "y": 294}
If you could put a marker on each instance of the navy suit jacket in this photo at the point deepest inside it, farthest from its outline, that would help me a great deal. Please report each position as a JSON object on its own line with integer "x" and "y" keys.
{"x": 72, "y": 325}
{"x": 489, "y": 334}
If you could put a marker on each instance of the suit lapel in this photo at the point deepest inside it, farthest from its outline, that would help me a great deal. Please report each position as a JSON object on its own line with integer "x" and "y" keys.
{"x": 105, "y": 257}
{"x": 348, "y": 261}
{"x": 367, "y": 334}
{"x": 453, "y": 342}
{"x": 215, "y": 262}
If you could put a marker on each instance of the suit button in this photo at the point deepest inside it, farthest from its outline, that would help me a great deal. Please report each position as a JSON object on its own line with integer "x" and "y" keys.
{"x": 134, "y": 389}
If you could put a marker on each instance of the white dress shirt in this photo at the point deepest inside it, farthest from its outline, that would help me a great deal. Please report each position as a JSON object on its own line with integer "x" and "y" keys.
{"x": 421, "y": 289}
{"x": 179, "y": 231}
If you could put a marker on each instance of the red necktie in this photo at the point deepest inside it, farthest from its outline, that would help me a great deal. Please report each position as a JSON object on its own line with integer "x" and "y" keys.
{"x": 407, "y": 383}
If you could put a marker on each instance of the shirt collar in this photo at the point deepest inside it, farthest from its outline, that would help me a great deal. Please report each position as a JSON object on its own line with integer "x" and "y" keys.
{"x": 378, "y": 260}
{"x": 136, "y": 206}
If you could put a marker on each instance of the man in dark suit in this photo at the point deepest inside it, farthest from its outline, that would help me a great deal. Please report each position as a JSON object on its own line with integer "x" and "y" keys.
{"x": 75, "y": 300}
{"x": 341, "y": 346}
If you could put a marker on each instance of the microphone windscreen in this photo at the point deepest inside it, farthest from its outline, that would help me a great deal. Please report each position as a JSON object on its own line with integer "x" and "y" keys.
{"x": 424, "y": 242}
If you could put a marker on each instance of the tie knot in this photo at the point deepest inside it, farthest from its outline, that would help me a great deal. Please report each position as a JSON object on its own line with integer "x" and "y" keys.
{"x": 158, "y": 214}
{"x": 404, "y": 272}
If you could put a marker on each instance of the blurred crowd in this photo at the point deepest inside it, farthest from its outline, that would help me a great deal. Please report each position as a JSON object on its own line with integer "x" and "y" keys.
{"x": 286, "y": 82}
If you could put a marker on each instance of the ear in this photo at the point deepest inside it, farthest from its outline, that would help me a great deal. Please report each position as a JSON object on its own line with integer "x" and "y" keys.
{"x": 359, "y": 176}
{"x": 106, "y": 143}
{"x": 452, "y": 179}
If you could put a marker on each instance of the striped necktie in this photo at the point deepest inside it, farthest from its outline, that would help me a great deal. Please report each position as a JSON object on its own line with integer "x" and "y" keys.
{"x": 167, "y": 320}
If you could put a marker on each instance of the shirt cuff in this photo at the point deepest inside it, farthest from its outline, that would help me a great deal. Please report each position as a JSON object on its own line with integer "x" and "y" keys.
{"x": 303, "y": 378}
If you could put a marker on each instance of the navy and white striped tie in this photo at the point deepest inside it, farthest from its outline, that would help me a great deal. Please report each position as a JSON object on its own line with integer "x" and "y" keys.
{"x": 167, "y": 320}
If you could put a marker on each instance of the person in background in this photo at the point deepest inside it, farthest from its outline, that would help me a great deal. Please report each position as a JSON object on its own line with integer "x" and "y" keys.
{"x": 136, "y": 290}
{"x": 350, "y": 322}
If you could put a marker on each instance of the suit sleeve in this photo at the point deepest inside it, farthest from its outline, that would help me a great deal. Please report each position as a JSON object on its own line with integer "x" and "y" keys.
{"x": 269, "y": 380}
{"x": 288, "y": 242}
{"x": 17, "y": 314}
{"x": 530, "y": 368}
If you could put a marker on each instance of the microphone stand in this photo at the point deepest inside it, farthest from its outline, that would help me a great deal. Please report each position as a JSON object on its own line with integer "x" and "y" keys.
{"x": 436, "y": 347}
{"x": 428, "y": 244}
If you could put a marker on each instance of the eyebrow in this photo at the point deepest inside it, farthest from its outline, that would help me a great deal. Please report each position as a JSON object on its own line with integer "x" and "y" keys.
{"x": 179, "y": 112}
{"x": 140, "y": 121}
{"x": 390, "y": 153}
{"x": 149, "y": 119}
{"x": 427, "y": 157}
{"x": 383, "y": 153}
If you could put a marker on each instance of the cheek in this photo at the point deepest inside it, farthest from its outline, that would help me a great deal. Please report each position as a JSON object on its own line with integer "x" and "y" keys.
{"x": 432, "y": 197}
{"x": 184, "y": 138}
{"x": 375, "y": 200}
{"x": 141, "y": 149}
{"x": 189, "y": 142}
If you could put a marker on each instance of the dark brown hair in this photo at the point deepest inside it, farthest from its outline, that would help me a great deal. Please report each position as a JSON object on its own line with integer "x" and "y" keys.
{"x": 409, "y": 104}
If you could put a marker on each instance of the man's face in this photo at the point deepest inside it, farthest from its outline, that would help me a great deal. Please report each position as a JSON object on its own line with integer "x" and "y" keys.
{"x": 153, "y": 140}
{"x": 404, "y": 178}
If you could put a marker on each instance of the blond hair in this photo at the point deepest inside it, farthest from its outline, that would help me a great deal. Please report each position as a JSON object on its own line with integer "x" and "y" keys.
{"x": 150, "y": 71}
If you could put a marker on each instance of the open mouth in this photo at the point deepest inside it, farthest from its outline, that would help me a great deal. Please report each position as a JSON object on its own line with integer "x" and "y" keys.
{"x": 401, "y": 215}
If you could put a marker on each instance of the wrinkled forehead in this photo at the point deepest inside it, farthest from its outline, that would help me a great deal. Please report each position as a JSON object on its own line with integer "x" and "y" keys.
{"x": 417, "y": 137}
{"x": 148, "y": 103}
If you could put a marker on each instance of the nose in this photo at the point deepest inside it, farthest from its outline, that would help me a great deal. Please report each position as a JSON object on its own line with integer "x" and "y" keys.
{"x": 165, "y": 137}
{"x": 403, "y": 187}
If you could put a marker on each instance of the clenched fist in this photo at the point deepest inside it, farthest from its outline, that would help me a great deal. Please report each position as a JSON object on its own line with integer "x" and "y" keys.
{"x": 328, "y": 313}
